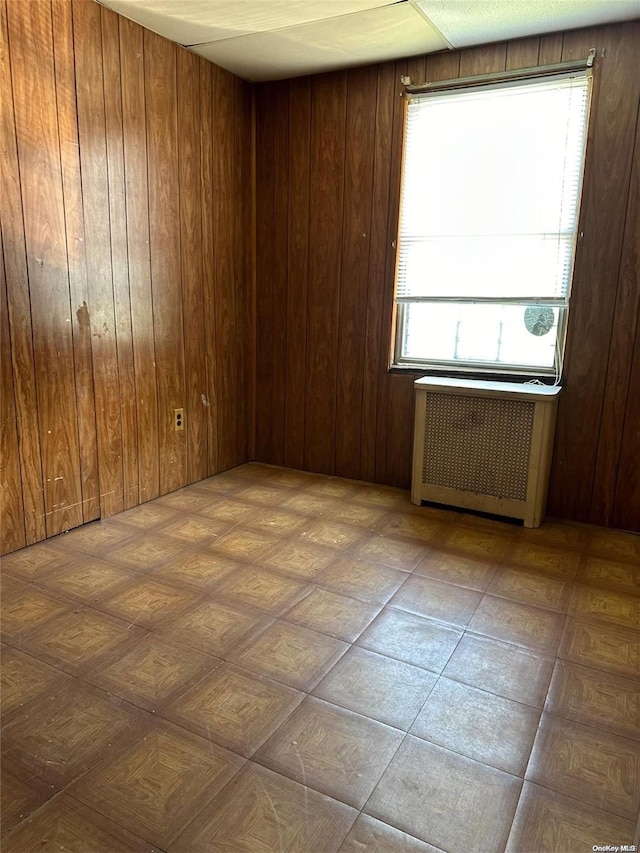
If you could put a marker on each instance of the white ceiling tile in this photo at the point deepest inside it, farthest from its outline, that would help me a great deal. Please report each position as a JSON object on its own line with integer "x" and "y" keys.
{"x": 272, "y": 39}
{"x": 363, "y": 37}
{"x": 191, "y": 22}
{"x": 469, "y": 22}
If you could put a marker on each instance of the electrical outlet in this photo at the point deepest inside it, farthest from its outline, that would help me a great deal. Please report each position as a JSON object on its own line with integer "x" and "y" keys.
{"x": 178, "y": 419}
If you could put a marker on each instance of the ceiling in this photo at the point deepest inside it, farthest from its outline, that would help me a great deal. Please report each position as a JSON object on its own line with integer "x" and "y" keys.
{"x": 274, "y": 39}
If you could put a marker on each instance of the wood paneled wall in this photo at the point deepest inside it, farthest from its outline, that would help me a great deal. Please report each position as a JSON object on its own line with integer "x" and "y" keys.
{"x": 126, "y": 269}
{"x": 128, "y": 262}
{"x": 328, "y": 170}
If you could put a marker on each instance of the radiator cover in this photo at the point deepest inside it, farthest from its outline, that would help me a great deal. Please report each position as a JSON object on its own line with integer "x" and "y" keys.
{"x": 484, "y": 445}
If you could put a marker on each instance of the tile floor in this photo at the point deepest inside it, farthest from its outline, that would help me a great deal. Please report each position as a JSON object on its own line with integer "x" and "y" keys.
{"x": 276, "y": 661}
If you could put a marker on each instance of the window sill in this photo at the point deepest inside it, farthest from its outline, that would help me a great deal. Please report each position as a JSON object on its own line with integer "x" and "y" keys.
{"x": 486, "y": 376}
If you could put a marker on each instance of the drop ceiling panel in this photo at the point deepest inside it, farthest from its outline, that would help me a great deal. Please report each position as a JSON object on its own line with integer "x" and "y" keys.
{"x": 191, "y": 22}
{"x": 470, "y": 22}
{"x": 357, "y": 39}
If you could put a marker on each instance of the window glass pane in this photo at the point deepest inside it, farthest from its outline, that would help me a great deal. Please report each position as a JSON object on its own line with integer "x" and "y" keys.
{"x": 494, "y": 334}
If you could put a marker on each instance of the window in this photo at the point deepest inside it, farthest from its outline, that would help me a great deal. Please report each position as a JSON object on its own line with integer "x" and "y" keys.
{"x": 488, "y": 224}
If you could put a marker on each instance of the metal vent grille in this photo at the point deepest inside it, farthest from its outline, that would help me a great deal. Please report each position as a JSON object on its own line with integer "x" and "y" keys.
{"x": 478, "y": 444}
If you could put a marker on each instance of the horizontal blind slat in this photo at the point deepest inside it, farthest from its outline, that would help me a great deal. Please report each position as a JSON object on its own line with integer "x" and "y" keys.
{"x": 491, "y": 185}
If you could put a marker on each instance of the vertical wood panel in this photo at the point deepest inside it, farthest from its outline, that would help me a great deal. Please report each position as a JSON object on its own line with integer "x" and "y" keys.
{"x": 119, "y": 254}
{"x": 626, "y": 508}
{"x": 483, "y": 60}
{"x": 108, "y": 236}
{"x": 604, "y": 205}
{"x": 30, "y": 38}
{"x": 253, "y": 274}
{"x": 550, "y": 49}
{"x": 617, "y": 399}
{"x": 15, "y": 261}
{"x": 163, "y": 202}
{"x": 383, "y": 430}
{"x": 417, "y": 68}
{"x": 191, "y": 264}
{"x": 206, "y": 184}
{"x": 523, "y": 53}
{"x": 244, "y": 246}
{"x": 164, "y": 230}
{"x": 137, "y": 219}
{"x": 443, "y": 66}
{"x": 328, "y": 115}
{"x": 224, "y": 267}
{"x": 297, "y": 262}
{"x": 356, "y": 233}
{"x": 264, "y": 271}
{"x": 11, "y": 506}
{"x": 376, "y": 281}
{"x": 399, "y": 430}
{"x": 76, "y": 260}
{"x": 280, "y": 237}
{"x": 95, "y": 188}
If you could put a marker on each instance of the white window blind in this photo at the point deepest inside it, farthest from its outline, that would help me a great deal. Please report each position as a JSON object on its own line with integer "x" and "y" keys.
{"x": 491, "y": 188}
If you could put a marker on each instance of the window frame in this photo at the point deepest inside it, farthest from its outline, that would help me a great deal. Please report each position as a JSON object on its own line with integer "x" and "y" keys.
{"x": 400, "y": 362}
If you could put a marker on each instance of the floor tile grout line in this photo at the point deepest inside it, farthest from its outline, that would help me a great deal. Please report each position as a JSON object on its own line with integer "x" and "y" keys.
{"x": 449, "y": 625}
{"x": 172, "y": 618}
{"x": 575, "y": 799}
{"x": 446, "y": 749}
{"x": 465, "y": 631}
{"x": 65, "y": 792}
{"x": 307, "y": 694}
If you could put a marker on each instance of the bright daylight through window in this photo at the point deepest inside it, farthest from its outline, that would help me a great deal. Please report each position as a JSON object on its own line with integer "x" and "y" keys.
{"x": 488, "y": 224}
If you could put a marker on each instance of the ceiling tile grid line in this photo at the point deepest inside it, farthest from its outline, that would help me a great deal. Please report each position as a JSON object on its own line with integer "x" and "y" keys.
{"x": 262, "y": 40}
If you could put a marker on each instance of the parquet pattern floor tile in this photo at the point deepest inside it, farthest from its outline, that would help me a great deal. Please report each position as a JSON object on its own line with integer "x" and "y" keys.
{"x": 371, "y": 834}
{"x": 262, "y": 589}
{"x": 35, "y": 561}
{"x": 25, "y": 608}
{"x": 20, "y": 793}
{"x": 158, "y": 783}
{"x": 547, "y": 820}
{"x": 152, "y": 671}
{"x": 329, "y": 749}
{"x": 86, "y": 580}
{"x": 76, "y": 641}
{"x": 442, "y": 601}
{"x": 453, "y": 568}
{"x": 276, "y": 660}
{"x": 260, "y": 811}
{"x": 478, "y": 724}
{"x": 290, "y": 654}
{"x": 518, "y": 623}
{"x": 23, "y": 677}
{"x": 64, "y": 731}
{"x": 237, "y": 708}
{"x": 360, "y": 580}
{"x": 602, "y": 647}
{"x": 423, "y": 780}
{"x": 377, "y": 686}
{"x": 501, "y": 668}
{"x": 597, "y": 698}
{"x": 64, "y": 824}
{"x": 332, "y": 614}
{"x": 589, "y": 764}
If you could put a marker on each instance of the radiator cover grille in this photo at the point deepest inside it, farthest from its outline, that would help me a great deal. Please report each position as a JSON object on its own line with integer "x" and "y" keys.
{"x": 478, "y": 444}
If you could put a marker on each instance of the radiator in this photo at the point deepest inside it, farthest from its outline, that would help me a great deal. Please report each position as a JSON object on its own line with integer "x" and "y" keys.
{"x": 484, "y": 445}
